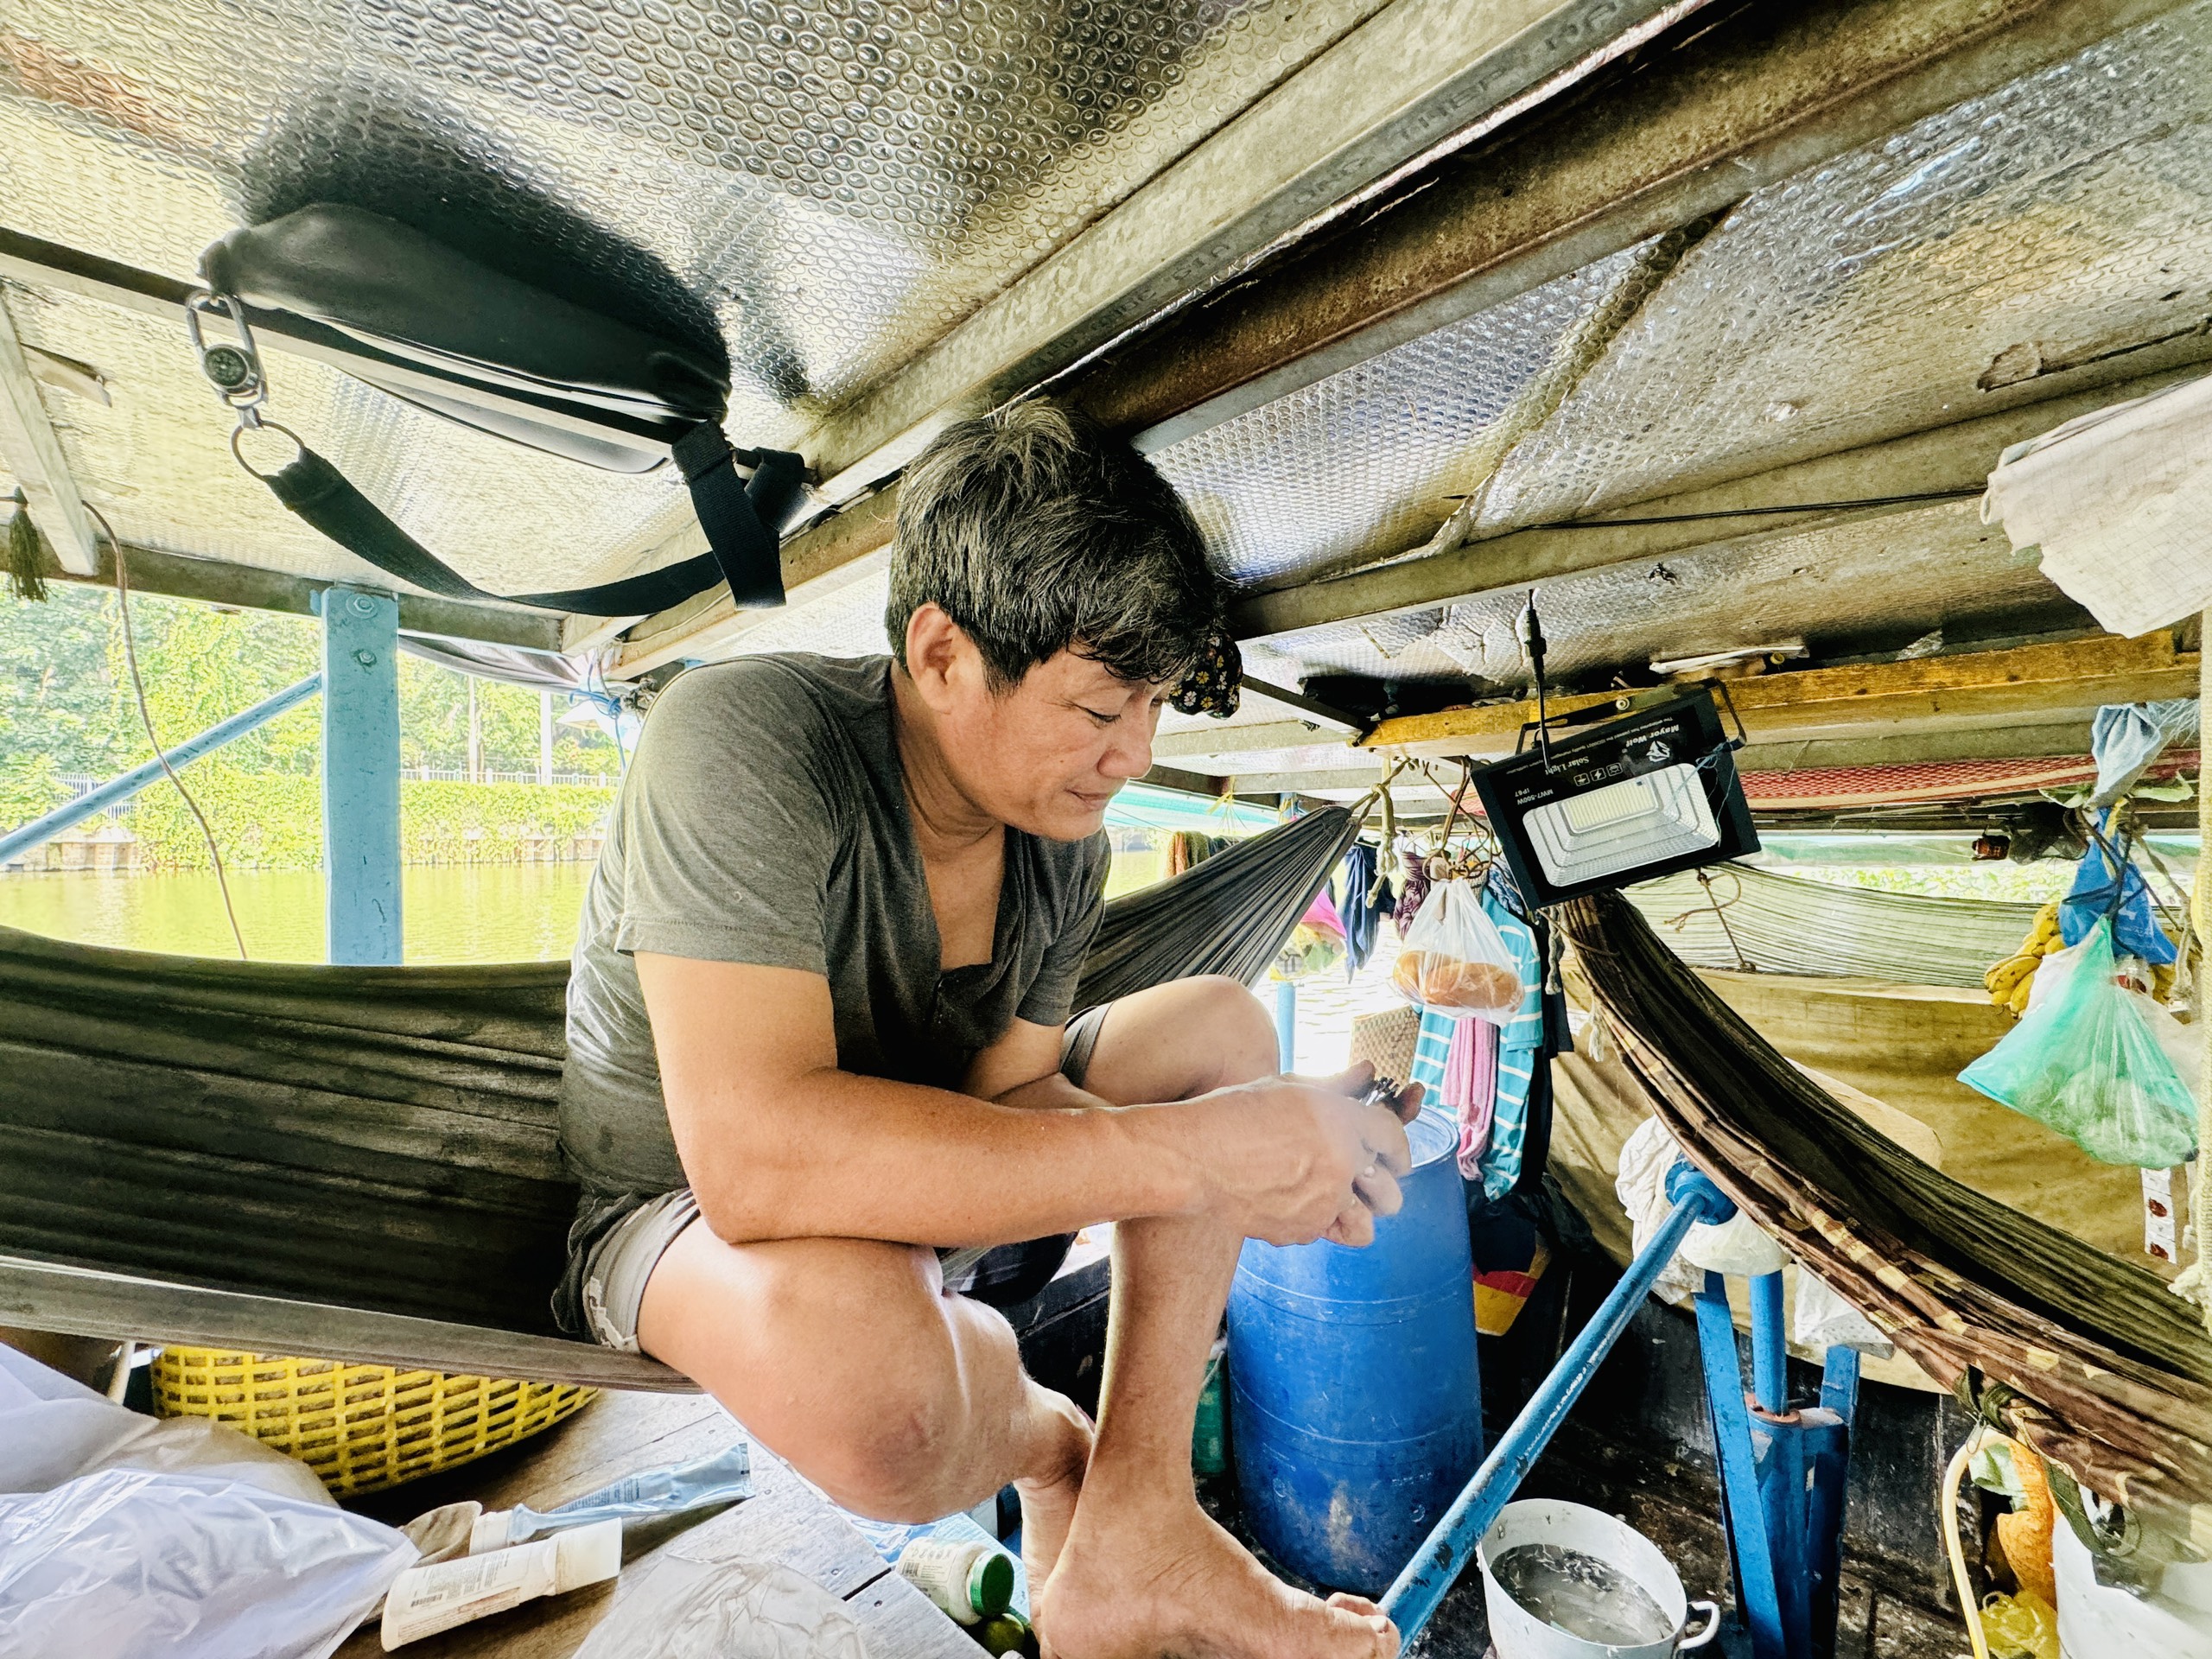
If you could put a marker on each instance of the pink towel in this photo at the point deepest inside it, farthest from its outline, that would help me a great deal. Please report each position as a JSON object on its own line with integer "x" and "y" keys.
{"x": 1471, "y": 1088}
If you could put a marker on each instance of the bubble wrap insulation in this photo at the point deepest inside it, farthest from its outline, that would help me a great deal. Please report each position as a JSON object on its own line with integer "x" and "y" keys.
{"x": 828, "y": 188}
{"x": 2064, "y": 217}
{"x": 1373, "y": 458}
{"x": 834, "y": 184}
{"x": 1875, "y": 583}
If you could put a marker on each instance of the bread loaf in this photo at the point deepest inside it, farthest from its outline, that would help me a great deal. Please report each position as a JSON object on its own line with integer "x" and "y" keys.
{"x": 1454, "y": 986}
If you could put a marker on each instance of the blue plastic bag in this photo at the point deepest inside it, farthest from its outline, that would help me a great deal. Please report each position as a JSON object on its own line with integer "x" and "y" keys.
{"x": 2136, "y": 929}
{"x": 2084, "y": 1060}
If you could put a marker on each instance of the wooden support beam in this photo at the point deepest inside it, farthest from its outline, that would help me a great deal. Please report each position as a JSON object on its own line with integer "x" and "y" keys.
{"x": 1948, "y": 458}
{"x": 1763, "y": 94}
{"x": 1252, "y": 739}
{"x": 216, "y": 582}
{"x": 30, "y": 450}
{"x": 2031, "y": 685}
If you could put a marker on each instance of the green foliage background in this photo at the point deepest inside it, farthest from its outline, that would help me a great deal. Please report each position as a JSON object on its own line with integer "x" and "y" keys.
{"x": 65, "y": 707}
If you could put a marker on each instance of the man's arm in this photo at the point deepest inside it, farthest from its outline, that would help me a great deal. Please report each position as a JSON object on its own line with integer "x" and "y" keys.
{"x": 778, "y": 1143}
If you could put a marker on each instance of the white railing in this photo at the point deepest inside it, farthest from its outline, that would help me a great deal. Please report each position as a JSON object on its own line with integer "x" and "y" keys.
{"x": 457, "y": 775}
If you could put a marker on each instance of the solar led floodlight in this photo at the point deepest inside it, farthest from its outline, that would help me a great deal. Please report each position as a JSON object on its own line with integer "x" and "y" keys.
{"x": 1645, "y": 795}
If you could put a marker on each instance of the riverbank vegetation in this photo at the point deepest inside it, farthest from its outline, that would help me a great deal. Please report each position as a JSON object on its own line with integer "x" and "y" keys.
{"x": 66, "y": 713}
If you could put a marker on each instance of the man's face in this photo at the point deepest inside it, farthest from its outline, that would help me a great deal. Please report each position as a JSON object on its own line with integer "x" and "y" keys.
{"x": 1046, "y": 755}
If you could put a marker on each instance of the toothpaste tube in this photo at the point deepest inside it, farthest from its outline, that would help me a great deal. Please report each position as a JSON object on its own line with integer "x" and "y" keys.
{"x": 425, "y": 1600}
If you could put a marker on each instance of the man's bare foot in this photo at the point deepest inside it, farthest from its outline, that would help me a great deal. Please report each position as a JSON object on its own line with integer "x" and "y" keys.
{"x": 1048, "y": 1498}
{"x": 1162, "y": 1578}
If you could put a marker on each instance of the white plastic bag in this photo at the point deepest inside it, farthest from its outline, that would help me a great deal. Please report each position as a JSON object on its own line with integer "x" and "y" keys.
{"x": 1456, "y": 961}
{"x": 1736, "y": 1245}
{"x": 53, "y": 1428}
{"x": 126, "y": 1563}
{"x": 1821, "y": 1320}
{"x": 702, "y": 1598}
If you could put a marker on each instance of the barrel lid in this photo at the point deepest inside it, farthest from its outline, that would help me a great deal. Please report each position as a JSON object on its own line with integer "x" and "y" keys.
{"x": 1434, "y": 1134}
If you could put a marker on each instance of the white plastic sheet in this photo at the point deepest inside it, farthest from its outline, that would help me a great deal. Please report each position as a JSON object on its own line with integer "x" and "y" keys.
{"x": 126, "y": 1562}
{"x": 2120, "y": 502}
{"x": 1736, "y": 1245}
{"x": 123, "y": 1537}
{"x": 1821, "y": 1319}
{"x": 703, "y": 1599}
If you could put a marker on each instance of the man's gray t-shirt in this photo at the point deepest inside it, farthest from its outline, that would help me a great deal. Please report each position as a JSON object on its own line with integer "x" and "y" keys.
{"x": 765, "y": 819}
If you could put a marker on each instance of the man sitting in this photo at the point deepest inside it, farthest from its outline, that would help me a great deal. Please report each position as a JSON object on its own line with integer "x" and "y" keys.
{"x": 819, "y": 1039}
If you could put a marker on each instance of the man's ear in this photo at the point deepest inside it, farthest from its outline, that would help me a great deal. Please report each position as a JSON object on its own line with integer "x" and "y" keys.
{"x": 940, "y": 657}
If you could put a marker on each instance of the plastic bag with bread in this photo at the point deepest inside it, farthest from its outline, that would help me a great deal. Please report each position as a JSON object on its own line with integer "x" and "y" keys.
{"x": 1456, "y": 961}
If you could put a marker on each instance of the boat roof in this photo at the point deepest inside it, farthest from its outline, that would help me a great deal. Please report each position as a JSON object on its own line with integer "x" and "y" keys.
{"x": 1703, "y": 322}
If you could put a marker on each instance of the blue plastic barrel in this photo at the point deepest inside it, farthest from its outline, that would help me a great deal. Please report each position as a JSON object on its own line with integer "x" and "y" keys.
{"x": 1356, "y": 1406}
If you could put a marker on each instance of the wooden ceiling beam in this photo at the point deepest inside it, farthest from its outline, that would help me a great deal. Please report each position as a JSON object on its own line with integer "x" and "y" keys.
{"x": 2029, "y": 685}
{"x": 30, "y": 450}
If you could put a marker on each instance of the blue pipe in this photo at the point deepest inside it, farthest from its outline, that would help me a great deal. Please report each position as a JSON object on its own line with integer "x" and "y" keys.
{"x": 1770, "y": 1348}
{"x": 18, "y": 842}
{"x": 1420, "y": 1585}
{"x": 1287, "y": 1024}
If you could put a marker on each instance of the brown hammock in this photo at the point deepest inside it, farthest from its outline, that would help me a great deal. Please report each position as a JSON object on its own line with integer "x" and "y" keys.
{"x": 2085, "y": 1357}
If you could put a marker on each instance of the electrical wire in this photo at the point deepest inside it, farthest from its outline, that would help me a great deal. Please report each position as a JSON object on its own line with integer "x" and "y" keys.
{"x": 146, "y": 719}
{"x": 1948, "y": 1520}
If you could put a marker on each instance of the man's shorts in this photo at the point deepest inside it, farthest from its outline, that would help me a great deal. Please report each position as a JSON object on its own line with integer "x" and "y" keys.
{"x": 616, "y": 1266}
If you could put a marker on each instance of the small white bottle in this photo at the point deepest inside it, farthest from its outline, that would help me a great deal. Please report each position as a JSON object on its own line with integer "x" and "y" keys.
{"x": 970, "y": 1579}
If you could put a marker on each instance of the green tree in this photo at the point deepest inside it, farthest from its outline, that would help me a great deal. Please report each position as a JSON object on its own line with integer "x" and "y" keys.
{"x": 55, "y": 696}
{"x": 201, "y": 665}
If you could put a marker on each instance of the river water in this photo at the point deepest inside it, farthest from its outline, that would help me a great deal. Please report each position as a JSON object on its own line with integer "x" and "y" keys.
{"x": 449, "y": 912}
{"x": 466, "y": 912}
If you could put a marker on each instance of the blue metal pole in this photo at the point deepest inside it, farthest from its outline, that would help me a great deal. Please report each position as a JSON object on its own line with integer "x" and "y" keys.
{"x": 1420, "y": 1585}
{"x": 18, "y": 842}
{"x": 1769, "y": 1351}
{"x": 360, "y": 774}
{"x": 1743, "y": 1510}
{"x": 1286, "y": 1023}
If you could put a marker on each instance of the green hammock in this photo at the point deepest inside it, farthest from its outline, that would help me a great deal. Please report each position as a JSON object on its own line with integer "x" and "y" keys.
{"x": 362, "y": 1163}
{"x": 2083, "y": 1356}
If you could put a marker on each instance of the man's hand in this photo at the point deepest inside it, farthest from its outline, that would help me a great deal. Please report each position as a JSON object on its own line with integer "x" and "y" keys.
{"x": 1291, "y": 1159}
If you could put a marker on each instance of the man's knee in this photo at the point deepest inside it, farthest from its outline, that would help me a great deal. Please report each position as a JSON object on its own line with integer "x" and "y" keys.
{"x": 1231, "y": 1029}
{"x": 906, "y": 1447}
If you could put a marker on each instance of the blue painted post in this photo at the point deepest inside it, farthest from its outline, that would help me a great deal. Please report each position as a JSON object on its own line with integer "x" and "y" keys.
{"x": 1829, "y": 1446}
{"x": 1742, "y": 1510}
{"x": 1287, "y": 1024}
{"x": 360, "y": 774}
{"x": 1828, "y": 1463}
{"x": 1447, "y": 1549}
{"x": 16, "y": 843}
{"x": 1839, "y": 1383}
{"x": 1769, "y": 1348}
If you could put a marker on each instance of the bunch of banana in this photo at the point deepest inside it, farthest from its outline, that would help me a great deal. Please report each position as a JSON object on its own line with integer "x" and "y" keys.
{"x": 2010, "y": 980}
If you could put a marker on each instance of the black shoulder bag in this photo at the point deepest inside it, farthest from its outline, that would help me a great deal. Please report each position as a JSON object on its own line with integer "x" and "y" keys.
{"x": 438, "y": 330}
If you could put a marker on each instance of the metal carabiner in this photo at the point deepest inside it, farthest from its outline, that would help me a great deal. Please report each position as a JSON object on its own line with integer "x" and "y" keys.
{"x": 234, "y": 370}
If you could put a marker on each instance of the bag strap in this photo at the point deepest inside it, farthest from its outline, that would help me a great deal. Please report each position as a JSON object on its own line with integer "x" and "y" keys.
{"x": 740, "y": 517}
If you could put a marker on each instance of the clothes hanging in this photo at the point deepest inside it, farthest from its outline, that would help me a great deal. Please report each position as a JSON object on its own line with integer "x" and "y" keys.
{"x": 1412, "y": 890}
{"x": 1520, "y": 1054}
{"x": 1359, "y": 915}
{"x": 1432, "y": 1051}
{"x": 1470, "y": 1089}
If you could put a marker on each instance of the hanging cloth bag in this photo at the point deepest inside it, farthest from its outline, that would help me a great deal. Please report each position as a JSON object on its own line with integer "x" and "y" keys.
{"x": 452, "y": 336}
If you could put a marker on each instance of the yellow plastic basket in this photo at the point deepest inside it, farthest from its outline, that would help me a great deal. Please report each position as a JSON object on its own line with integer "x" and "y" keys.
{"x": 361, "y": 1428}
